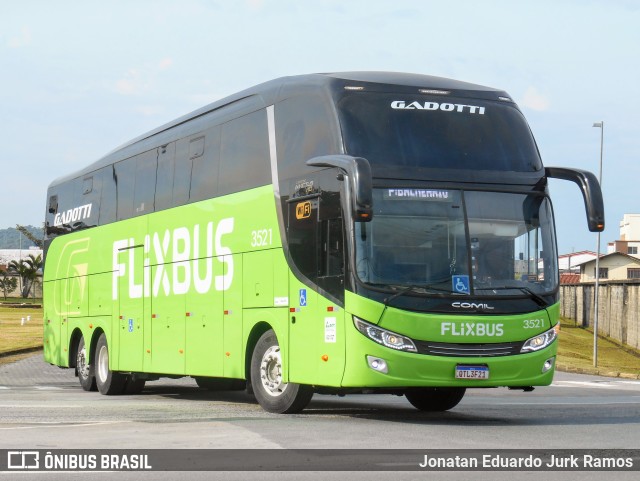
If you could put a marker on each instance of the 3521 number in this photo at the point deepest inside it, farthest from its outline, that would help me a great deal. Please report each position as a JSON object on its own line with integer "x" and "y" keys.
{"x": 261, "y": 237}
{"x": 534, "y": 324}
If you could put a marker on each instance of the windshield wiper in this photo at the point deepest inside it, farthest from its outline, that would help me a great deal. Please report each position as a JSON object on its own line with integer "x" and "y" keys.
{"x": 416, "y": 288}
{"x": 536, "y": 297}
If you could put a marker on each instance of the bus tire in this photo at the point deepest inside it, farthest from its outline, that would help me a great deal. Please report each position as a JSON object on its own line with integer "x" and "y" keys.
{"x": 435, "y": 399}
{"x": 132, "y": 385}
{"x": 107, "y": 381}
{"x": 266, "y": 379}
{"x": 85, "y": 368}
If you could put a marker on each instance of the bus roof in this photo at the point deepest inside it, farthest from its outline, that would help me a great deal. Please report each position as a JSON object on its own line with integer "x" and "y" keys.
{"x": 270, "y": 92}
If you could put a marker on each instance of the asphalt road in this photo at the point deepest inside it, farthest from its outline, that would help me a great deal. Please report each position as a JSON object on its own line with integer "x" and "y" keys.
{"x": 43, "y": 407}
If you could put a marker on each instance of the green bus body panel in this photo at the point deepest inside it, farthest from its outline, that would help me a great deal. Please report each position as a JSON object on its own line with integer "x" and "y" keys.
{"x": 410, "y": 369}
{"x": 317, "y": 340}
{"x": 176, "y": 301}
{"x": 181, "y": 291}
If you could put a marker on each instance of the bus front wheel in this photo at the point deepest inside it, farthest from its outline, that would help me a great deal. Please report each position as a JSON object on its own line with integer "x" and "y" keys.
{"x": 435, "y": 399}
{"x": 272, "y": 394}
{"x": 108, "y": 381}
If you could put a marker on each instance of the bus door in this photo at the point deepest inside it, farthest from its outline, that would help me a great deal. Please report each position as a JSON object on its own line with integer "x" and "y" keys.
{"x": 131, "y": 297}
{"x": 316, "y": 325}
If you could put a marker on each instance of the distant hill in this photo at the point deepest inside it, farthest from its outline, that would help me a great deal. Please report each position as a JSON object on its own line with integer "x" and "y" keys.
{"x": 10, "y": 237}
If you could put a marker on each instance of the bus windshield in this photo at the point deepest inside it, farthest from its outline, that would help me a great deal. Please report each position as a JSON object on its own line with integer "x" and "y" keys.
{"x": 400, "y": 130}
{"x": 462, "y": 242}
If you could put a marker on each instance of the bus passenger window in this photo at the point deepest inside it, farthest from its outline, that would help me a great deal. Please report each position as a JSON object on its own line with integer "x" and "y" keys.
{"x": 205, "y": 155}
{"x": 245, "y": 160}
{"x": 164, "y": 181}
{"x": 303, "y": 131}
{"x": 181, "y": 173}
{"x": 107, "y": 195}
{"x": 87, "y": 185}
{"x": 125, "y": 179}
{"x": 145, "y": 183}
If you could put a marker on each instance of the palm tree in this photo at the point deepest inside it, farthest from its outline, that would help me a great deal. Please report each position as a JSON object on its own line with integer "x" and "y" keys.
{"x": 7, "y": 284}
{"x": 27, "y": 270}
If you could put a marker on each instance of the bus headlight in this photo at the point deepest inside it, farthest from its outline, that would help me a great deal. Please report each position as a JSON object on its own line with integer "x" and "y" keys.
{"x": 541, "y": 340}
{"x": 384, "y": 337}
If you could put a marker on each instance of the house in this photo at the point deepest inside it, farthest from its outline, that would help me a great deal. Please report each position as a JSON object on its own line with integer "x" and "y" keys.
{"x": 613, "y": 267}
{"x": 569, "y": 278}
{"x": 569, "y": 263}
{"x": 629, "y": 242}
{"x": 8, "y": 255}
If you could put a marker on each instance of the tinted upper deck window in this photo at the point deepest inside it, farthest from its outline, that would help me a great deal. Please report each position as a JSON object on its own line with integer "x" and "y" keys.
{"x": 436, "y": 132}
{"x": 145, "y": 183}
{"x": 125, "y": 176}
{"x": 305, "y": 128}
{"x": 164, "y": 176}
{"x": 244, "y": 154}
{"x": 205, "y": 155}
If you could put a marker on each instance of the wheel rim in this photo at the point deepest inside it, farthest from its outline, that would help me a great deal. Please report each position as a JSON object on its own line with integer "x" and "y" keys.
{"x": 103, "y": 363}
{"x": 271, "y": 372}
{"x": 83, "y": 367}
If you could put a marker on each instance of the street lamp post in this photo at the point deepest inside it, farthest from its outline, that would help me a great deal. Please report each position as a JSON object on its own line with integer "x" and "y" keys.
{"x": 599, "y": 125}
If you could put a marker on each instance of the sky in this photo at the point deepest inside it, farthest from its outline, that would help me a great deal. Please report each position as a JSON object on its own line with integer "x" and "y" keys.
{"x": 80, "y": 78}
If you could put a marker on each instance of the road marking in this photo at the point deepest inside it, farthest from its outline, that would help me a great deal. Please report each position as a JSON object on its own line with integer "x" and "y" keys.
{"x": 44, "y": 406}
{"x": 62, "y": 425}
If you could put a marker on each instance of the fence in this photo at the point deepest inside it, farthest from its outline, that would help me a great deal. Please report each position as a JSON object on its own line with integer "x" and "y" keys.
{"x": 36, "y": 290}
{"x": 618, "y": 308}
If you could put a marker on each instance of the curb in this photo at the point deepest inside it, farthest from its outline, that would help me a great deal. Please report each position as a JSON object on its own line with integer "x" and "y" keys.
{"x": 596, "y": 372}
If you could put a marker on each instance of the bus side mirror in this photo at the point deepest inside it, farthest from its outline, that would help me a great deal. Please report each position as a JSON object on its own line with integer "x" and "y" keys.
{"x": 358, "y": 172}
{"x": 591, "y": 192}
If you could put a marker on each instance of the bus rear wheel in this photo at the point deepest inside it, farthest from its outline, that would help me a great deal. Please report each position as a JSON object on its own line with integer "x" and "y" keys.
{"x": 85, "y": 368}
{"x": 107, "y": 381}
{"x": 272, "y": 394}
{"x": 435, "y": 399}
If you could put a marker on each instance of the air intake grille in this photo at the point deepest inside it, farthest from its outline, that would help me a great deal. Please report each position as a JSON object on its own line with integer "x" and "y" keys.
{"x": 468, "y": 350}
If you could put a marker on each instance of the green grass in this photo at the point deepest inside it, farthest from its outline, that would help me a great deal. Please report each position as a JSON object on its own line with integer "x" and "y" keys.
{"x": 575, "y": 352}
{"x": 14, "y": 335}
{"x": 20, "y": 300}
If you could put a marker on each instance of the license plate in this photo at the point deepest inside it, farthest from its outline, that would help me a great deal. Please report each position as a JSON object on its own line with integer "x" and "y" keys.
{"x": 472, "y": 372}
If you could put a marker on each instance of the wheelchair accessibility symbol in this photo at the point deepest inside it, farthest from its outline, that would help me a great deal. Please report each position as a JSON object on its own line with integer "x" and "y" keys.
{"x": 303, "y": 297}
{"x": 461, "y": 284}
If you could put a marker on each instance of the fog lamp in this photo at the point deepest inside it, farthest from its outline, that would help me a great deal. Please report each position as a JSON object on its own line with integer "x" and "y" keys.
{"x": 378, "y": 364}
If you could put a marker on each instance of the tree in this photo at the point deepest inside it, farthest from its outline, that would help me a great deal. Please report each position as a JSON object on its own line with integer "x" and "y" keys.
{"x": 27, "y": 270}
{"x": 7, "y": 284}
{"x": 29, "y": 235}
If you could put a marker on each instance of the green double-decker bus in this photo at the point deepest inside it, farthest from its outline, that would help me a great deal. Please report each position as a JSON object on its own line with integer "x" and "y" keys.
{"x": 332, "y": 233}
